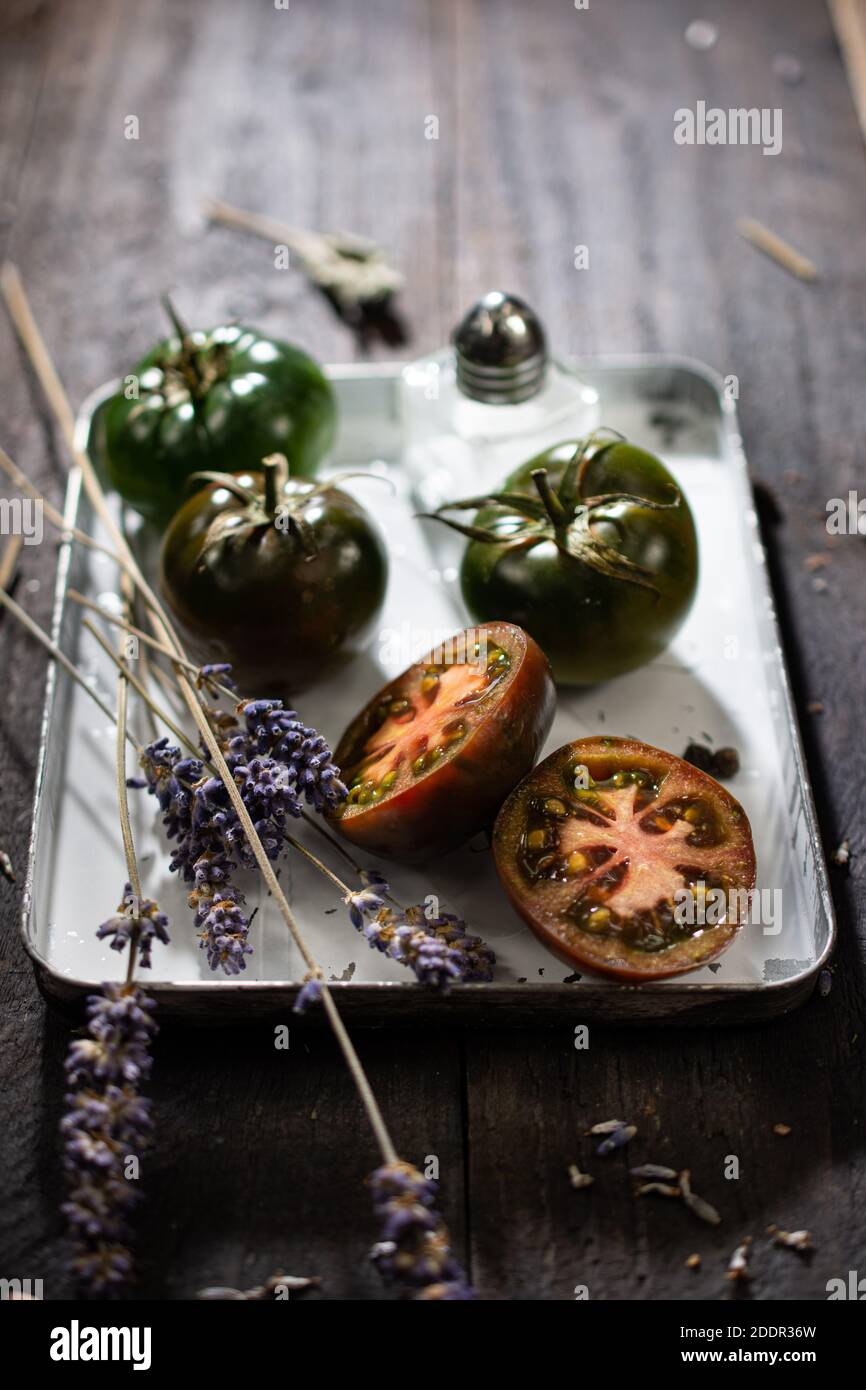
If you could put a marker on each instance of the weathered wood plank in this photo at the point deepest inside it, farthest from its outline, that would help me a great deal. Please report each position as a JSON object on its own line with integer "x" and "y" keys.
{"x": 555, "y": 129}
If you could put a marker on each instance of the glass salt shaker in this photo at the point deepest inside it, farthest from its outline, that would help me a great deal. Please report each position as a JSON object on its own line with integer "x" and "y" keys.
{"x": 477, "y": 410}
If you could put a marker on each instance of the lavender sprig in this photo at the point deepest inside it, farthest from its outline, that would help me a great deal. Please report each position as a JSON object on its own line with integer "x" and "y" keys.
{"x": 106, "y": 1122}
{"x": 415, "y": 1248}
{"x": 437, "y": 947}
{"x": 141, "y": 920}
{"x": 279, "y": 764}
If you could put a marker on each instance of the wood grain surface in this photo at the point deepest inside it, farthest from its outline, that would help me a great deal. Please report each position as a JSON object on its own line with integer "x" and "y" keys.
{"x": 555, "y": 130}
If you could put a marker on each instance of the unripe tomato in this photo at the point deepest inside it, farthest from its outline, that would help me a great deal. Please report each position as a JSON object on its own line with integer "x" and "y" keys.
{"x": 591, "y": 548}
{"x": 221, "y": 400}
{"x": 280, "y": 577}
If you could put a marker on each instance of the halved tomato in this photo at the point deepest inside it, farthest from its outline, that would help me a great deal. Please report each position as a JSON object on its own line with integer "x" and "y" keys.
{"x": 431, "y": 758}
{"x": 626, "y": 860}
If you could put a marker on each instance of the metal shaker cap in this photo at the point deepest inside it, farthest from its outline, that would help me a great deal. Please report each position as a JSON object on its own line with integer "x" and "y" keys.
{"x": 501, "y": 350}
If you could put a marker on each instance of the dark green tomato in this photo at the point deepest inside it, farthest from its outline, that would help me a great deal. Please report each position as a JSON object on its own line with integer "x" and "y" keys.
{"x": 602, "y": 586}
{"x": 223, "y": 400}
{"x": 284, "y": 594}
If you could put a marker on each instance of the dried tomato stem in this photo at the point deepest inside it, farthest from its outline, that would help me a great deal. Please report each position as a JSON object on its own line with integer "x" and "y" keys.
{"x": 275, "y": 469}
{"x": 189, "y": 356}
{"x": 555, "y": 510}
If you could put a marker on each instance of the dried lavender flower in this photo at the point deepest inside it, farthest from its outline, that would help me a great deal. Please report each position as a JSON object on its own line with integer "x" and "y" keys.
{"x": 738, "y": 1265}
{"x": 213, "y": 675}
{"x": 662, "y": 1189}
{"x": 436, "y": 947}
{"x": 415, "y": 1249}
{"x": 696, "y": 1204}
{"x": 791, "y": 1240}
{"x": 653, "y": 1170}
{"x": 278, "y": 764}
{"x": 616, "y": 1139}
{"x": 607, "y": 1127}
{"x": 143, "y": 918}
{"x": 309, "y": 993}
{"x": 106, "y": 1122}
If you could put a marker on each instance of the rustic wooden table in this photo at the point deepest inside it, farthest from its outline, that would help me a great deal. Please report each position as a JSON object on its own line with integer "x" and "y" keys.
{"x": 555, "y": 129}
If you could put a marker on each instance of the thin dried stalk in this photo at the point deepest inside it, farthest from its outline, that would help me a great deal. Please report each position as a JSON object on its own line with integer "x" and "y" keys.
{"x": 16, "y": 300}
{"x": 23, "y": 483}
{"x": 60, "y": 657}
{"x": 778, "y": 250}
{"x": 141, "y": 689}
{"x": 9, "y": 560}
{"x": 142, "y": 636}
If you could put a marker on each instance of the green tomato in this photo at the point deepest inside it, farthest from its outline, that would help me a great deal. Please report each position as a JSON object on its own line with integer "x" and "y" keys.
{"x": 591, "y": 548}
{"x": 218, "y": 400}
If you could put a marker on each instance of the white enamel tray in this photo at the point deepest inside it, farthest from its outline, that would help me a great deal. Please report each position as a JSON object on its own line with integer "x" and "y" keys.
{"x": 724, "y": 678}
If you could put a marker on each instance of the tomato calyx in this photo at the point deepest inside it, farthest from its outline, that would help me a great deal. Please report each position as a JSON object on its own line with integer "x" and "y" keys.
{"x": 562, "y": 514}
{"x": 190, "y": 370}
{"x": 270, "y": 500}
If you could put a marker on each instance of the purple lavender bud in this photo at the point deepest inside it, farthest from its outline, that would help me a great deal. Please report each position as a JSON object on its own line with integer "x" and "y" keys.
{"x": 415, "y": 1249}
{"x": 105, "y": 1123}
{"x": 144, "y": 918}
{"x": 437, "y": 948}
{"x": 309, "y": 993}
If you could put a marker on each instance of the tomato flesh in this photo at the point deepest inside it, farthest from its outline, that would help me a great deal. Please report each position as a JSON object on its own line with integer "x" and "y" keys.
{"x": 625, "y": 859}
{"x": 430, "y": 759}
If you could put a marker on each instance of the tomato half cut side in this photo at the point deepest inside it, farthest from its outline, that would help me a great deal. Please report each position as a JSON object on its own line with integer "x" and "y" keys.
{"x": 626, "y": 860}
{"x": 431, "y": 758}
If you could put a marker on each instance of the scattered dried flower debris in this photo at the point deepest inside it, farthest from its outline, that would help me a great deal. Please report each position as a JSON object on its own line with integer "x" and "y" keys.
{"x": 738, "y": 1265}
{"x": 703, "y": 1210}
{"x": 825, "y": 983}
{"x": 579, "y": 1179}
{"x": 791, "y": 1240}
{"x": 693, "y": 1262}
{"x": 616, "y": 1139}
{"x": 842, "y": 854}
{"x": 661, "y": 1189}
{"x": 277, "y": 1288}
{"x": 815, "y": 707}
{"x": 651, "y": 1171}
{"x": 782, "y": 1130}
{"x": 607, "y": 1126}
{"x": 351, "y": 271}
{"x": 6, "y": 868}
